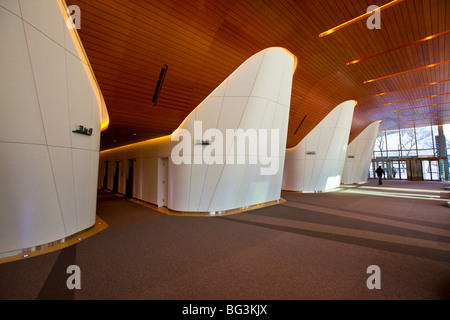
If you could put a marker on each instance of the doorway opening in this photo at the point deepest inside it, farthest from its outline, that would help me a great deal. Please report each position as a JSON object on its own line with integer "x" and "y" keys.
{"x": 129, "y": 179}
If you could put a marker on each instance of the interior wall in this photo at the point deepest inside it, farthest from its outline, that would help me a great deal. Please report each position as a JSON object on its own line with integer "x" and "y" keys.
{"x": 47, "y": 90}
{"x": 316, "y": 163}
{"x": 359, "y": 155}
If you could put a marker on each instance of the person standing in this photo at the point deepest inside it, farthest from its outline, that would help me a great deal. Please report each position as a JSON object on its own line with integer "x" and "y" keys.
{"x": 380, "y": 173}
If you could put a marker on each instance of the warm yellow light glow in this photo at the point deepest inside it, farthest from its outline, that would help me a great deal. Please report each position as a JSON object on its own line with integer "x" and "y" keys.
{"x": 295, "y": 58}
{"x": 104, "y": 125}
{"x": 103, "y": 112}
{"x": 163, "y": 139}
{"x": 403, "y": 72}
{"x": 420, "y": 114}
{"x": 367, "y": 14}
{"x": 422, "y": 85}
{"x": 432, "y": 96}
{"x": 400, "y": 47}
{"x": 421, "y": 124}
{"x": 429, "y": 105}
{"x": 421, "y": 119}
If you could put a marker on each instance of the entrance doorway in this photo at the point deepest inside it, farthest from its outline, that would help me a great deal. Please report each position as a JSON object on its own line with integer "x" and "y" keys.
{"x": 105, "y": 175}
{"x": 414, "y": 169}
{"x": 398, "y": 170}
{"x": 116, "y": 177}
{"x": 430, "y": 170}
{"x": 129, "y": 179}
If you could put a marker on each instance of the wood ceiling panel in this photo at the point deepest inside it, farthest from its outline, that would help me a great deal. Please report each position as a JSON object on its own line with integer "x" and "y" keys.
{"x": 202, "y": 42}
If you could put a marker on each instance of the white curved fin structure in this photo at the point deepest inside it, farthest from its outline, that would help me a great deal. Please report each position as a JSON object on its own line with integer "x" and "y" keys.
{"x": 255, "y": 98}
{"x": 208, "y": 171}
{"x": 47, "y": 91}
{"x": 315, "y": 164}
{"x": 359, "y": 155}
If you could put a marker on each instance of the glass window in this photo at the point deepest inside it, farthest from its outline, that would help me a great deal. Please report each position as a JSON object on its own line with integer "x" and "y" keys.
{"x": 424, "y": 138}
{"x": 380, "y": 146}
{"x": 392, "y": 140}
{"x": 446, "y": 128}
{"x": 435, "y": 135}
{"x": 424, "y": 153}
{"x": 394, "y": 153}
{"x": 378, "y": 155}
{"x": 408, "y": 143}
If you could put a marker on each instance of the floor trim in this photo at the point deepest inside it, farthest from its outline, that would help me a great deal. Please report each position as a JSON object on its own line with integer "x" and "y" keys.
{"x": 27, "y": 253}
{"x": 170, "y": 212}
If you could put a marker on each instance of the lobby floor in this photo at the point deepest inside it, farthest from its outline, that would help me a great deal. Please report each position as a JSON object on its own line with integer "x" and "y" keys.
{"x": 314, "y": 246}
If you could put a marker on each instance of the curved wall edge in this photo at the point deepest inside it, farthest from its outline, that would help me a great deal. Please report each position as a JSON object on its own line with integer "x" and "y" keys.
{"x": 315, "y": 164}
{"x": 52, "y": 116}
{"x": 359, "y": 155}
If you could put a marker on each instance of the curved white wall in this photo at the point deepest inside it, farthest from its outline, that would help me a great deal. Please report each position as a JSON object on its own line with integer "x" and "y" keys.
{"x": 315, "y": 164}
{"x": 256, "y": 96}
{"x": 359, "y": 155}
{"x": 49, "y": 173}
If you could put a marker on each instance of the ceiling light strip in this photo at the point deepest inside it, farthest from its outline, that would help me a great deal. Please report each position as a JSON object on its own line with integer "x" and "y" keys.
{"x": 422, "y": 85}
{"x": 422, "y": 124}
{"x": 400, "y": 47}
{"x": 420, "y": 114}
{"x": 403, "y": 72}
{"x": 432, "y": 96}
{"x": 387, "y": 5}
{"x": 424, "y": 119}
{"x": 430, "y": 105}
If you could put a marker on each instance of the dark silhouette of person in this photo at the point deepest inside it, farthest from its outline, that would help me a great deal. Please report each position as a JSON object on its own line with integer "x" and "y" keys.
{"x": 379, "y": 173}
{"x": 394, "y": 172}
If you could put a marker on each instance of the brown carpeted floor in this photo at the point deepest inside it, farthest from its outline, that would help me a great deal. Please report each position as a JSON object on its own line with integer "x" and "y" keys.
{"x": 314, "y": 246}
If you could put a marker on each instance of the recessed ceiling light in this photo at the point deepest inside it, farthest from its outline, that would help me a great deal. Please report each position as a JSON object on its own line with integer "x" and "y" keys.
{"x": 429, "y": 105}
{"x": 387, "y": 5}
{"x": 400, "y": 47}
{"x": 422, "y": 85}
{"x": 432, "y": 96}
{"x": 403, "y": 72}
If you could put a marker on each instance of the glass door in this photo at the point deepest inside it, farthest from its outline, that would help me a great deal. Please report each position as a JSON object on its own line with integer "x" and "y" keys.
{"x": 372, "y": 170}
{"x": 402, "y": 170}
{"x": 426, "y": 170}
{"x": 434, "y": 168}
{"x": 395, "y": 170}
{"x": 430, "y": 170}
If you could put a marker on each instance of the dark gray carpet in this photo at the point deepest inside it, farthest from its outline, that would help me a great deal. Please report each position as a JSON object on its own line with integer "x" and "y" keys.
{"x": 277, "y": 252}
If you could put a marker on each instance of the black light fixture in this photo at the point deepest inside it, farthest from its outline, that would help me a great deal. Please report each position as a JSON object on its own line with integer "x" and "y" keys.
{"x": 162, "y": 75}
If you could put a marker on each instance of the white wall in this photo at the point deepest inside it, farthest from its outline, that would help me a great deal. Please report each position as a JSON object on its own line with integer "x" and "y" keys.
{"x": 315, "y": 164}
{"x": 255, "y": 96}
{"x": 359, "y": 155}
{"x": 47, "y": 89}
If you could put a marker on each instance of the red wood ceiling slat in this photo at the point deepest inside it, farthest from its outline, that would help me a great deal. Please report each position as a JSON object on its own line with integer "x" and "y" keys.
{"x": 202, "y": 42}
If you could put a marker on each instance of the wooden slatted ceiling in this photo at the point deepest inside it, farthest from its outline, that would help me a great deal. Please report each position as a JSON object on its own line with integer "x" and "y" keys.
{"x": 203, "y": 41}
